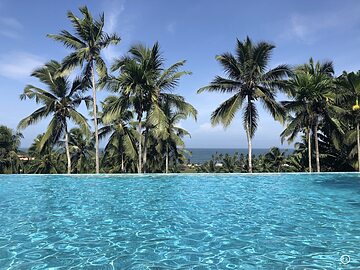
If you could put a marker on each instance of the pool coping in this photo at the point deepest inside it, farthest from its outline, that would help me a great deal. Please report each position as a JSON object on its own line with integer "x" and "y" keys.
{"x": 188, "y": 174}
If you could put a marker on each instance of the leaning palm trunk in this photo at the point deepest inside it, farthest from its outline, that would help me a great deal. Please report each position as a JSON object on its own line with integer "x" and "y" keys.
{"x": 167, "y": 159}
{"x": 249, "y": 147}
{"x": 309, "y": 148}
{"x": 358, "y": 144}
{"x": 97, "y": 164}
{"x": 140, "y": 149}
{"x": 67, "y": 151}
{"x": 317, "y": 147}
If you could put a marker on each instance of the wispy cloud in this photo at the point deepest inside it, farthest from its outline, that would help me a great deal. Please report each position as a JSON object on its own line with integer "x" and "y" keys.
{"x": 171, "y": 27}
{"x": 207, "y": 127}
{"x": 310, "y": 27}
{"x": 306, "y": 28}
{"x": 115, "y": 22}
{"x": 19, "y": 65}
{"x": 10, "y": 27}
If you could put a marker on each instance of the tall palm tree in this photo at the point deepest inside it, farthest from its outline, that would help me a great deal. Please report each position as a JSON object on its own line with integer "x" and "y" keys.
{"x": 59, "y": 100}
{"x": 314, "y": 97}
{"x": 350, "y": 82}
{"x": 87, "y": 42}
{"x": 170, "y": 139}
{"x": 9, "y": 146}
{"x": 117, "y": 120}
{"x": 249, "y": 80}
{"x": 146, "y": 82}
{"x": 299, "y": 117}
{"x": 320, "y": 76}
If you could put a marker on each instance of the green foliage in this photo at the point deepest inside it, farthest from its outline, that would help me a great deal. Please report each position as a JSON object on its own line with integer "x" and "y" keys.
{"x": 59, "y": 101}
{"x": 87, "y": 43}
{"x": 82, "y": 151}
{"x": 141, "y": 120}
{"x": 145, "y": 86}
{"x": 9, "y": 144}
{"x": 248, "y": 80}
{"x": 44, "y": 158}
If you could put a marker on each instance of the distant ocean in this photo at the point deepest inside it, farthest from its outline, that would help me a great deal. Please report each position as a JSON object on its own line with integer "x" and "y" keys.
{"x": 201, "y": 155}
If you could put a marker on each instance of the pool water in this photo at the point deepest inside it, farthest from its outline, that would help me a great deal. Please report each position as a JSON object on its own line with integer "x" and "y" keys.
{"x": 205, "y": 221}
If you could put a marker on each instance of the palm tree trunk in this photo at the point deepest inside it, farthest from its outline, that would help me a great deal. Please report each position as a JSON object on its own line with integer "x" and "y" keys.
{"x": 358, "y": 144}
{"x": 145, "y": 150}
{"x": 249, "y": 147}
{"x": 309, "y": 149}
{"x": 140, "y": 148}
{"x": 97, "y": 163}
{"x": 317, "y": 147}
{"x": 122, "y": 162}
{"x": 167, "y": 160}
{"x": 67, "y": 151}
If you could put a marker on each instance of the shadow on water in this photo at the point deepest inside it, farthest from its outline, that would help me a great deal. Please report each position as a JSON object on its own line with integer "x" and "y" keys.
{"x": 347, "y": 182}
{"x": 339, "y": 181}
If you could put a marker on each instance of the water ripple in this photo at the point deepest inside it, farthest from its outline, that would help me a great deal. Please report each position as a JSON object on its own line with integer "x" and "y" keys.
{"x": 180, "y": 222}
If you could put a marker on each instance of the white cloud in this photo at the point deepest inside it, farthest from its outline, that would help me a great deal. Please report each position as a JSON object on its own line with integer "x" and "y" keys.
{"x": 309, "y": 27}
{"x": 10, "y": 27}
{"x": 207, "y": 127}
{"x": 111, "y": 53}
{"x": 112, "y": 25}
{"x": 171, "y": 28}
{"x": 19, "y": 65}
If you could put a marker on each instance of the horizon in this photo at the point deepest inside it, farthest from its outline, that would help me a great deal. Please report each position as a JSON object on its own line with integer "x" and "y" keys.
{"x": 298, "y": 31}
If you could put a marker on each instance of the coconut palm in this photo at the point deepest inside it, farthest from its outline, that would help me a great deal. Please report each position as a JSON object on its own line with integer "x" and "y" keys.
{"x": 87, "y": 42}
{"x": 314, "y": 97}
{"x": 320, "y": 90}
{"x": 46, "y": 160}
{"x": 117, "y": 120}
{"x": 59, "y": 100}
{"x": 299, "y": 117}
{"x": 146, "y": 83}
{"x": 82, "y": 151}
{"x": 170, "y": 138}
{"x": 9, "y": 146}
{"x": 275, "y": 158}
{"x": 350, "y": 82}
{"x": 248, "y": 80}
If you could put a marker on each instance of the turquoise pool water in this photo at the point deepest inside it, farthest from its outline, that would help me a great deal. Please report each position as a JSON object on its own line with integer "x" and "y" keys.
{"x": 180, "y": 222}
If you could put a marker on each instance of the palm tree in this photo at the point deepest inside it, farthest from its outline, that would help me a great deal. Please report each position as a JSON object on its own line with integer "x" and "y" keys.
{"x": 60, "y": 101}
{"x": 350, "y": 82}
{"x": 299, "y": 111}
{"x": 136, "y": 70}
{"x": 46, "y": 159}
{"x": 321, "y": 80}
{"x": 314, "y": 103}
{"x": 81, "y": 150}
{"x": 9, "y": 146}
{"x": 276, "y": 158}
{"x": 87, "y": 42}
{"x": 170, "y": 138}
{"x": 146, "y": 83}
{"x": 249, "y": 80}
{"x": 117, "y": 120}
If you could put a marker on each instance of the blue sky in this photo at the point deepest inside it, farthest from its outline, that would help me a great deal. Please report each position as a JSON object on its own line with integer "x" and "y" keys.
{"x": 191, "y": 30}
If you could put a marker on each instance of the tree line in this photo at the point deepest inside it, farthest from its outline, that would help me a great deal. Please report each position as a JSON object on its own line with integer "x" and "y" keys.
{"x": 140, "y": 118}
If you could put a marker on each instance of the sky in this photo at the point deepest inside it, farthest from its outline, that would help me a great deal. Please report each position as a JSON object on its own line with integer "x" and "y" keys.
{"x": 190, "y": 30}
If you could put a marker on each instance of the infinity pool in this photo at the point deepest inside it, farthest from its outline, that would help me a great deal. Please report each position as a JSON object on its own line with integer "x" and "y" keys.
{"x": 234, "y": 221}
